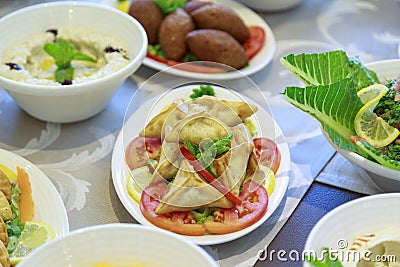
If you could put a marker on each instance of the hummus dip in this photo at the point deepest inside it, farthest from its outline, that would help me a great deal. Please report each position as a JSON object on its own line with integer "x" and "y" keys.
{"x": 379, "y": 249}
{"x": 27, "y": 62}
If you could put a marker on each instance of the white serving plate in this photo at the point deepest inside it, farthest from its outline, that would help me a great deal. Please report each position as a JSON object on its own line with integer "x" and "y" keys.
{"x": 267, "y": 127}
{"x": 49, "y": 207}
{"x": 258, "y": 62}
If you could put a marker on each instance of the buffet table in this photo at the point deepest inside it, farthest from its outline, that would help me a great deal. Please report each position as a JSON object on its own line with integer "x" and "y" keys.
{"x": 77, "y": 156}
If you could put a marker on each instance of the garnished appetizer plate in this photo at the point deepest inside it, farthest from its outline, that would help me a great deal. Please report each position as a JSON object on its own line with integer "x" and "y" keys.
{"x": 257, "y": 62}
{"x": 259, "y": 122}
{"x": 48, "y": 205}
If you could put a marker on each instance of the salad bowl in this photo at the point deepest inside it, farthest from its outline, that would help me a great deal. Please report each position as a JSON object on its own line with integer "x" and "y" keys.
{"x": 335, "y": 99}
{"x": 385, "y": 178}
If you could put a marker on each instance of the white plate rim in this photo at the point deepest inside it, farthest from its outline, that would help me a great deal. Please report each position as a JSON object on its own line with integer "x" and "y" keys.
{"x": 49, "y": 206}
{"x": 257, "y": 63}
{"x": 120, "y": 173}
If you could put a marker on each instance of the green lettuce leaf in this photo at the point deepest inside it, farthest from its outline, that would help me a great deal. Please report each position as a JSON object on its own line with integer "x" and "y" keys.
{"x": 329, "y": 67}
{"x": 334, "y": 106}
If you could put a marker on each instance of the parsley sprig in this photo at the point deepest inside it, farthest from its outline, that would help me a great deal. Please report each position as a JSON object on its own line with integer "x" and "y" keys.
{"x": 14, "y": 226}
{"x": 203, "y": 90}
{"x": 209, "y": 150}
{"x": 64, "y": 53}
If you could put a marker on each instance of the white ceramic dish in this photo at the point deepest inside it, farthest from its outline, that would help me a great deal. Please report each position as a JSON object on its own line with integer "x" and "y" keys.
{"x": 362, "y": 216}
{"x": 75, "y": 102}
{"x": 386, "y": 178}
{"x": 258, "y": 62}
{"x": 49, "y": 207}
{"x": 133, "y": 125}
{"x": 120, "y": 245}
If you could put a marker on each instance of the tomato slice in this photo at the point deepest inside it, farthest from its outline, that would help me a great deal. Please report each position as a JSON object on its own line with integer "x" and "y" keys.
{"x": 267, "y": 153}
{"x": 255, "y": 42}
{"x": 140, "y": 150}
{"x": 180, "y": 222}
{"x": 254, "y": 205}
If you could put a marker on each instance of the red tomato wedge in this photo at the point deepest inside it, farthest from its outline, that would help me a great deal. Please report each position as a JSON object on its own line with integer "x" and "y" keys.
{"x": 180, "y": 222}
{"x": 140, "y": 149}
{"x": 254, "y": 206}
{"x": 267, "y": 153}
{"x": 255, "y": 42}
{"x": 214, "y": 182}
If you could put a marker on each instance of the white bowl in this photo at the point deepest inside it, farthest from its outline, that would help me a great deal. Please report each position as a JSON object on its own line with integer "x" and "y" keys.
{"x": 385, "y": 178}
{"x": 271, "y": 5}
{"x": 338, "y": 228}
{"x": 72, "y": 102}
{"x": 120, "y": 245}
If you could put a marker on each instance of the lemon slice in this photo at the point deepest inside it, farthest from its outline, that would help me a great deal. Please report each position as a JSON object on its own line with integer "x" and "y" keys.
{"x": 34, "y": 235}
{"x": 123, "y": 6}
{"x": 372, "y": 93}
{"x": 367, "y": 124}
{"x": 269, "y": 182}
{"x": 137, "y": 181}
{"x": 9, "y": 173}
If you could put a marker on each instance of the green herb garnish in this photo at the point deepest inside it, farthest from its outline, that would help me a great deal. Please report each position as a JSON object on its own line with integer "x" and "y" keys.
{"x": 204, "y": 90}
{"x": 168, "y": 6}
{"x": 209, "y": 150}
{"x": 14, "y": 226}
{"x": 328, "y": 261}
{"x": 203, "y": 214}
{"x": 64, "y": 53}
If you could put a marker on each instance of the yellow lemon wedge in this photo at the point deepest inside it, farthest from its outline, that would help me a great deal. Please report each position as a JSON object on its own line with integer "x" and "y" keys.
{"x": 373, "y": 93}
{"x": 123, "y": 6}
{"x": 269, "y": 182}
{"x": 137, "y": 181}
{"x": 34, "y": 235}
{"x": 8, "y": 172}
{"x": 367, "y": 124}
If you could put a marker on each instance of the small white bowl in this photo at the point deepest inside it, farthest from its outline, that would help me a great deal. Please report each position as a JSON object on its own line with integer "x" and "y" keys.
{"x": 80, "y": 101}
{"x": 271, "y": 5}
{"x": 385, "y": 178}
{"x": 120, "y": 245}
{"x": 366, "y": 215}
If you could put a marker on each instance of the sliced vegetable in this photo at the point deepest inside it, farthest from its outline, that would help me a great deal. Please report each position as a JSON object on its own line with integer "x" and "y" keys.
{"x": 267, "y": 153}
{"x": 255, "y": 42}
{"x": 218, "y": 221}
{"x": 143, "y": 151}
{"x": 209, "y": 177}
{"x": 26, "y": 204}
{"x": 254, "y": 205}
{"x": 181, "y": 222}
